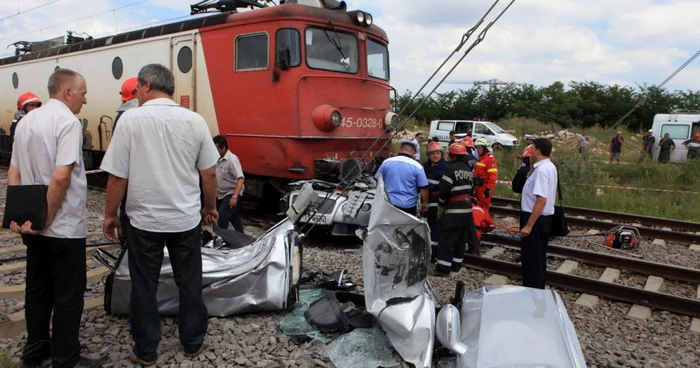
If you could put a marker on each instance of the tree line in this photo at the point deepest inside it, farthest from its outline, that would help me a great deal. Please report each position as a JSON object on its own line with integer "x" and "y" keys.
{"x": 582, "y": 104}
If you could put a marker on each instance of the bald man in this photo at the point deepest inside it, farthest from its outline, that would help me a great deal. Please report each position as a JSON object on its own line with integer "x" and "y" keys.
{"x": 48, "y": 151}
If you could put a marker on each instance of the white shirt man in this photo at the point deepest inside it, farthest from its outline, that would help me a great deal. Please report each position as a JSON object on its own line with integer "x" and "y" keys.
{"x": 536, "y": 210}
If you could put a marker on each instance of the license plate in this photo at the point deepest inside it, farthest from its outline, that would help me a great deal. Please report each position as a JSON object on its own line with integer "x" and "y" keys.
{"x": 316, "y": 219}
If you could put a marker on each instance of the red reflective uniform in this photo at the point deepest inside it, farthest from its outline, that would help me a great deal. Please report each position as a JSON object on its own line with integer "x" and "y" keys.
{"x": 483, "y": 221}
{"x": 487, "y": 169}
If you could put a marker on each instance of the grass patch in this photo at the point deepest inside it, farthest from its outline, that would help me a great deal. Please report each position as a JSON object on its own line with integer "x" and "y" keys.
{"x": 593, "y": 169}
{"x": 5, "y": 360}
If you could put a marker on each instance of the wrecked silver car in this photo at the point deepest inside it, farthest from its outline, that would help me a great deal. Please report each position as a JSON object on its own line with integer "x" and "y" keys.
{"x": 395, "y": 262}
{"x": 239, "y": 275}
{"x": 532, "y": 323}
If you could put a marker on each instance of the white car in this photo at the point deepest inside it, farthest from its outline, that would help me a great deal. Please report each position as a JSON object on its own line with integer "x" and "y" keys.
{"x": 497, "y": 137}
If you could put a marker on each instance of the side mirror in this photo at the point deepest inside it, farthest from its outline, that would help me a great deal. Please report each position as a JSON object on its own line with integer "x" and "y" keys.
{"x": 284, "y": 58}
{"x": 447, "y": 329}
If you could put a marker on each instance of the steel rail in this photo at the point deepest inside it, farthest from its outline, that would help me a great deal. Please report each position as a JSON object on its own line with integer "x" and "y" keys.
{"x": 616, "y": 216}
{"x": 648, "y": 232}
{"x": 675, "y": 304}
{"x": 666, "y": 271}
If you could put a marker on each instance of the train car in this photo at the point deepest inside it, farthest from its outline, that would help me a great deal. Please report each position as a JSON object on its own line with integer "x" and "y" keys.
{"x": 298, "y": 89}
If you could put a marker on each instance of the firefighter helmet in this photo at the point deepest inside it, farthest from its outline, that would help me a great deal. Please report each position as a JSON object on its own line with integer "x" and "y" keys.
{"x": 457, "y": 149}
{"x": 128, "y": 91}
{"x": 26, "y": 98}
{"x": 468, "y": 142}
{"x": 481, "y": 142}
{"x": 434, "y": 146}
{"x": 697, "y": 135}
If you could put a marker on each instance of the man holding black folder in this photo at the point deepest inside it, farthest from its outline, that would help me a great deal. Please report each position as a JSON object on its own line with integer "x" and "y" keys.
{"x": 47, "y": 155}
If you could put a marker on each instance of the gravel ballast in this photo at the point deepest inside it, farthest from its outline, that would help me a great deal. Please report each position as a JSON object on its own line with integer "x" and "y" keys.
{"x": 607, "y": 337}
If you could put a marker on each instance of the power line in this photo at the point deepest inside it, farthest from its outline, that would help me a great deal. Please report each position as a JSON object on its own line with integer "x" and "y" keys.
{"x": 28, "y": 10}
{"x": 640, "y": 103}
{"x": 75, "y": 20}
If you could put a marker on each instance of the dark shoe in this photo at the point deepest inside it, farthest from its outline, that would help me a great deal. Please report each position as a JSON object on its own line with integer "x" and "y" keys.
{"x": 456, "y": 267}
{"x": 137, "y": 360}
{"x": 90, "y": 363}
{"x": 195, "y": 351}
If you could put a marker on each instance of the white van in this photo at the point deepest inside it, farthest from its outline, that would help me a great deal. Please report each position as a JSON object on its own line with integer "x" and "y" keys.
{"x": 497, "y": 137}
{"x": 680, "y": 126}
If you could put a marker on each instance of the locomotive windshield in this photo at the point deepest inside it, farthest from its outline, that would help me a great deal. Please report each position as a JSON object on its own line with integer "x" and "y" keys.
{"x": 377, "y": 60}
{"x": 327, "y": 49}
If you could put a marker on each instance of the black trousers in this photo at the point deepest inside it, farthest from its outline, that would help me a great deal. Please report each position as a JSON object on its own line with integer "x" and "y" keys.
{"x": 55, "y": 282}
{"x": 145, "y": 261}
{"x": 453, "y": 243}
{"x": 410, "y": 211}
{"x": 533, "y": 251}
{"x": 435, "y": 225}
{"x": 228, "y": 214}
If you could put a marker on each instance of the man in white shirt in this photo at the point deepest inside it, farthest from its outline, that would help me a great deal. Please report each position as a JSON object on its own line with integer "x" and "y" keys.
{"x": 161, "y": 148}
{"x": 536, "y": 210}
{"x": 230, "y": 180}
{"x": 48, "y": 151}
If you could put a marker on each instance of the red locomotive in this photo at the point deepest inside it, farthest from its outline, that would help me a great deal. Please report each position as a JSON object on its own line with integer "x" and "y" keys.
{"x": 295, "y": 88}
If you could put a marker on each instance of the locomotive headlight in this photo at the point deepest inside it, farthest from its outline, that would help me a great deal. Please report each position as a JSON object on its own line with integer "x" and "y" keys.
{"x": 326, "y": 118}
{"x": 391, "y": 120}
{"x": 336, "y": 118}
{"x": 361, "y": 18}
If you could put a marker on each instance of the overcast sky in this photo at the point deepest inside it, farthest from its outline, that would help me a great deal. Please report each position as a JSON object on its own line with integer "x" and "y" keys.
{"x": 536, "y": 41}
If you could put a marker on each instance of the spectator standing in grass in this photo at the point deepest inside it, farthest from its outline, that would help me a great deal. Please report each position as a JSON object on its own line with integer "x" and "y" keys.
{"x": 616, "y": 147}
{"x": 666, "y": 146}
{"x": 693, "y": 146}
{"x": 582, "y": 141}
{"x": 648, "y": 145}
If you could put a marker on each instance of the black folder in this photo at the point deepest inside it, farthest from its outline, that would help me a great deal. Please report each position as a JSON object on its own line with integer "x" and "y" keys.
{"x": 26, "y": 203}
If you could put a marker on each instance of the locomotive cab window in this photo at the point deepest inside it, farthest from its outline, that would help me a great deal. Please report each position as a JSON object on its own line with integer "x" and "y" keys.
{"x": 252, "y": 52}
{"x": 377, "y": 60}
{"x": 288, "y": 40}
{"x": 328, "y": 50}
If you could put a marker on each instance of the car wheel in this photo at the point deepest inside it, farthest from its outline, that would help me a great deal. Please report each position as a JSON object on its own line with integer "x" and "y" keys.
{"x": 497, "y": 147}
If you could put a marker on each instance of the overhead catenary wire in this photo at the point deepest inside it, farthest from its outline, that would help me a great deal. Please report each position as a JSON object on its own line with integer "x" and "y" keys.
{"x": 75, "y": 20}
{"x": 30, "y": 9}
{"x": 640, "y": 103}
{"x": 479, "y": 39}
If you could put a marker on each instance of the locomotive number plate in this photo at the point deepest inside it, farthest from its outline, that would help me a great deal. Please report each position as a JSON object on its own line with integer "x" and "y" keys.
{"x": 350, "y": 122}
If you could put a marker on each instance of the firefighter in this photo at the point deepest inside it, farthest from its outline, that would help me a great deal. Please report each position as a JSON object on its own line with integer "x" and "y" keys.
{"x": 25, "y": 103}
{"x": 129, "y": 101}
{"x": 485, "y": 174}
{"x": 455, "y": 209}
{"x": 434, "y": 169}
{"x": 129, "y": 98}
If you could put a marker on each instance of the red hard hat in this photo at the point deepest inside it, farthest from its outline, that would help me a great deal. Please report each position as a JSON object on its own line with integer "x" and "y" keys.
{"x": 468, "y": 142}
{"x": 457, "y": 149}
{"x": 434, "y": 146}
{"x": 129, "y": 89}
{"x": 25, "y": 98}
{"x": 697, "y": 135}
{"x": 528, "y": 151}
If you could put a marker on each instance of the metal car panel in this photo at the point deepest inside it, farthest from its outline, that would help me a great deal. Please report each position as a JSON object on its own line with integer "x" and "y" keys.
{"x": 257, "y": 277}
{"x": 396, "y": 258}
{"x": 532, "y": 323}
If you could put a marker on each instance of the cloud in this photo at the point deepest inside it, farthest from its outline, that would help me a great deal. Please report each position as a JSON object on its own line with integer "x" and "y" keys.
{"x": 538, "y": 42}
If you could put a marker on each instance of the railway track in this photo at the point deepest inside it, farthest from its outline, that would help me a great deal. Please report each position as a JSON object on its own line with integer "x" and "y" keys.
{"x": 652, "y": 227}
{"x": 605, "y": 287}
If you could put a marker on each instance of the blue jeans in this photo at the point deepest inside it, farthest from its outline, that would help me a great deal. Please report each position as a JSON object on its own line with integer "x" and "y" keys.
{"x": 145, "y": 260}
{"x": 228, "y": 214}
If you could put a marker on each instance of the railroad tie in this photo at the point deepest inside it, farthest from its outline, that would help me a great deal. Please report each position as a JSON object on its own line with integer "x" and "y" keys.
{"x": 17, "y": 291}
{"x": 17, "y": 325}
{"x": 695, "y": 323}
{"x": 567, "y": 267}
{"x": 495, "y": 279}
{"x": 642, "y": 313}
{"x": 695, "y": 247}
{"x": 587, "y": 300}
{"x": 21, "y": 266}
